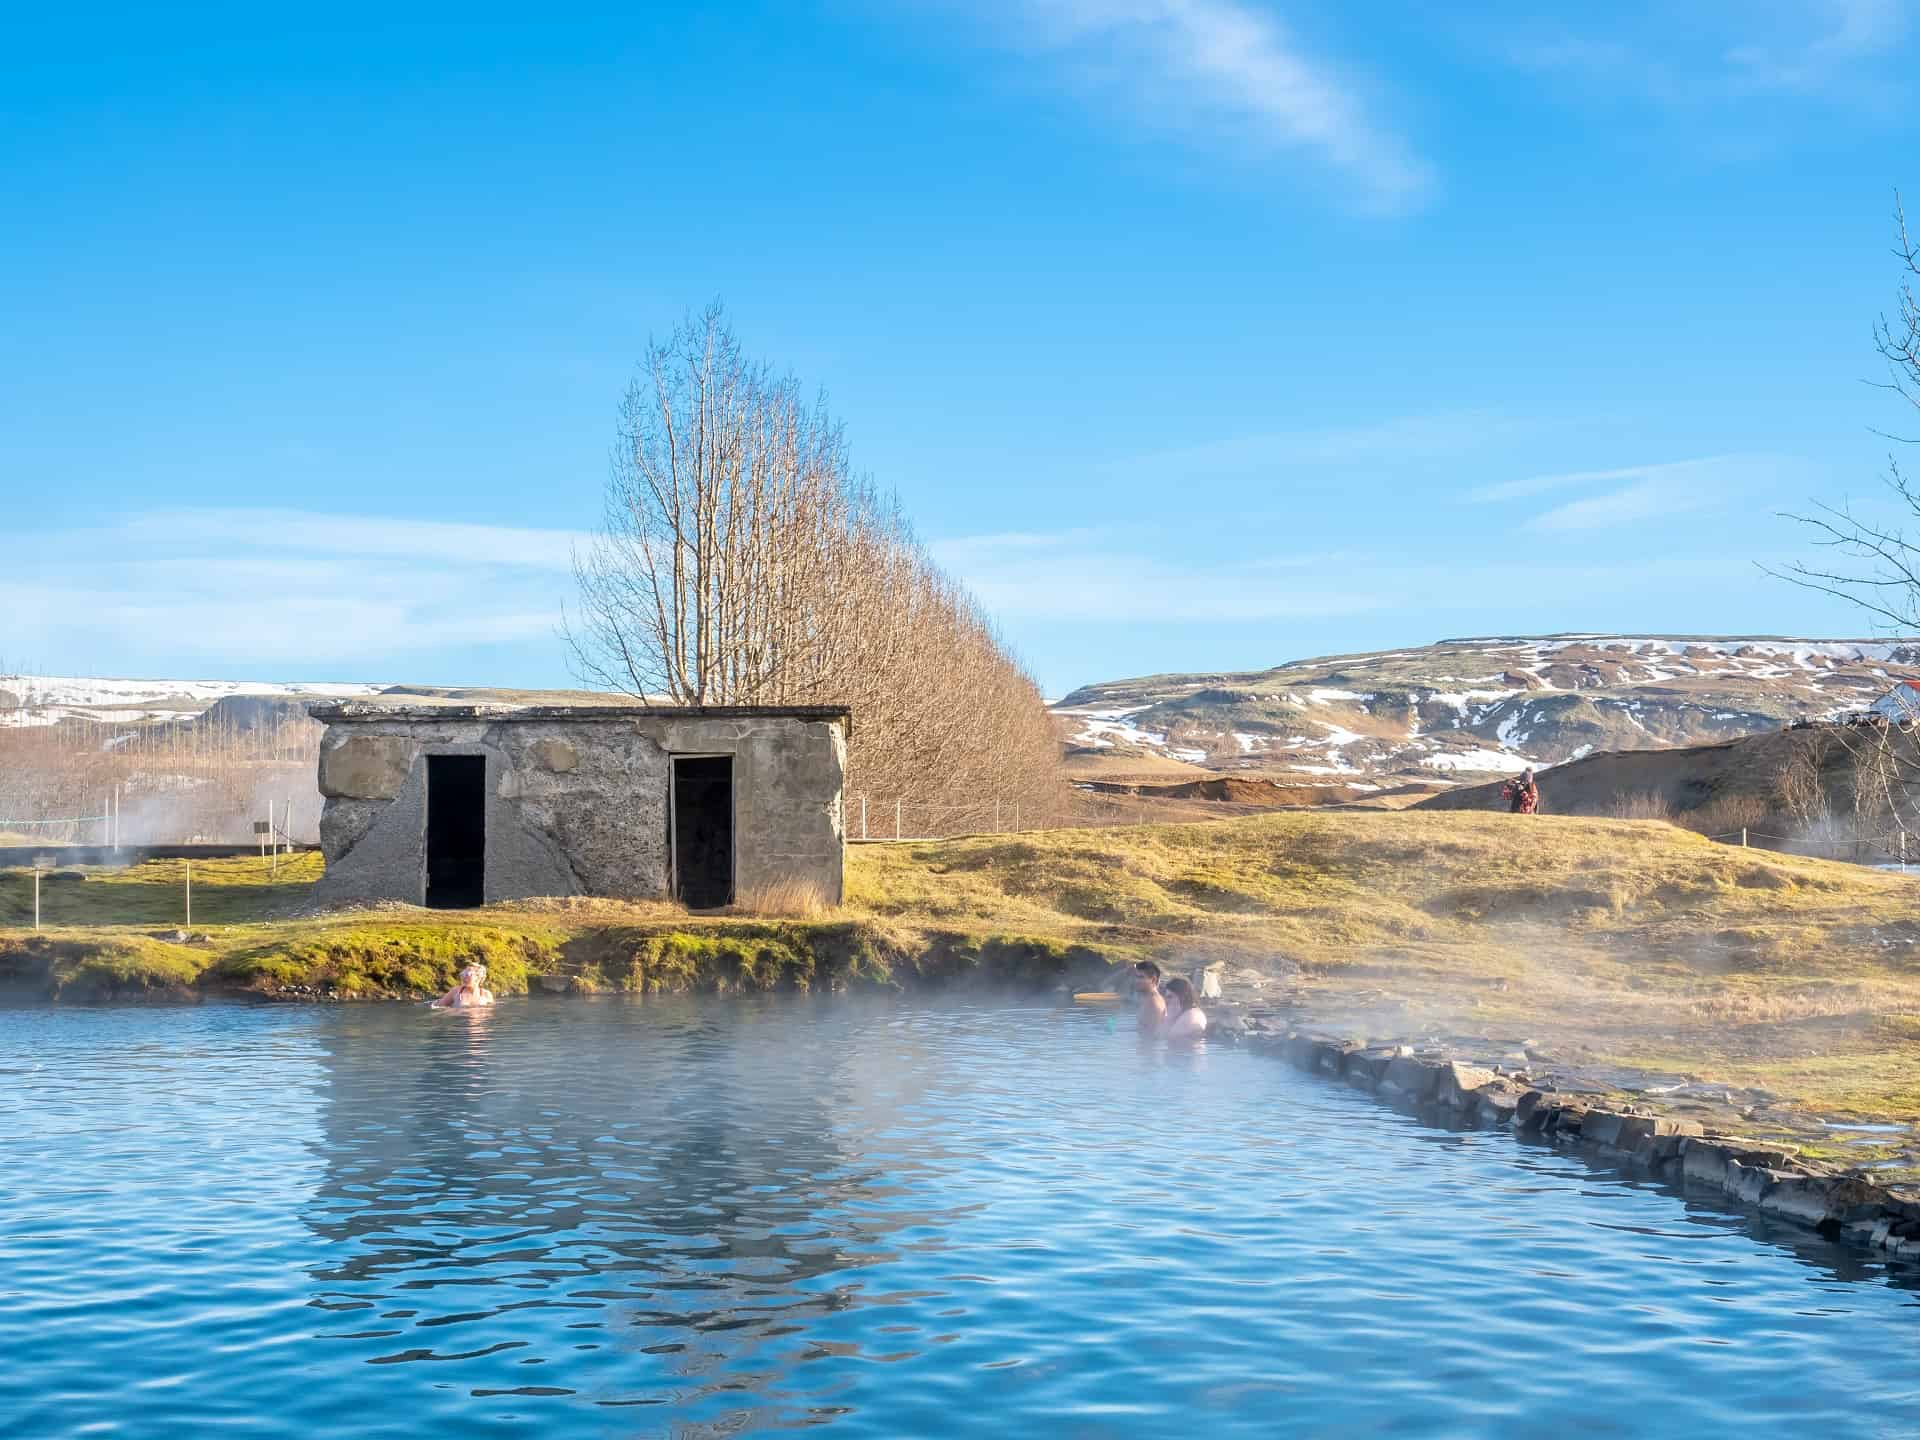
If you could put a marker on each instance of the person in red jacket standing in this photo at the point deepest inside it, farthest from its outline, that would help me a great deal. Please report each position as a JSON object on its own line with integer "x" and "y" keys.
{"x": 1523, "y": 795}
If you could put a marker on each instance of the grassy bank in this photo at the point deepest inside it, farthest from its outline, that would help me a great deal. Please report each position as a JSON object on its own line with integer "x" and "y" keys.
{"x": 1609, "y": 945}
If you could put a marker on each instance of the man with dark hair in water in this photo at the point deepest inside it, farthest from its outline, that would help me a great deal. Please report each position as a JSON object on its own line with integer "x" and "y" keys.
{"x": 1152, "y": 1004}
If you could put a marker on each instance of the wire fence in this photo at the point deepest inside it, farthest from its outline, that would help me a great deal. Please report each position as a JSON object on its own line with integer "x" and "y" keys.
{"x": 873, "y": 818}
{"x": 102, "y": 829}
{"x": 1890, "y": 847}
{"x": 272, "y": 837}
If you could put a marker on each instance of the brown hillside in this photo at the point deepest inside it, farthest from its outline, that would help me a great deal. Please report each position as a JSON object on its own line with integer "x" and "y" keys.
{"x": 1788, "y": 782}
{"x": 1237, "y": 790}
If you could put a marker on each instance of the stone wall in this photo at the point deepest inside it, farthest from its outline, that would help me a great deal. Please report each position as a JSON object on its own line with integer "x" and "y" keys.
{"x": 577, "y": 797}
{"x": 1839, "y": 1205}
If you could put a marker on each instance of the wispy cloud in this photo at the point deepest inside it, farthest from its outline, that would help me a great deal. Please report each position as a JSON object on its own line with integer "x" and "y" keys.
{"x": 1644, "y": 501}
{"x": 1226, "y": 69}
{"x": 1670, "y": 487}
{"x": 1045, "y": 586}
{"x": 310, "y": 532}
{"x": 356, "y": 595}
{"x": 1844, "y": 31}
{"x": 1667, "y": 472}
{"x": 1092, "y": 575}
{"x": 1715, "y": 51}
{"x": 1396, "y": 439}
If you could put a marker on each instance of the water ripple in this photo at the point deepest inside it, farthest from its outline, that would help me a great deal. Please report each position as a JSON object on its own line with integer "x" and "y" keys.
{"x": 609, "y": 1218}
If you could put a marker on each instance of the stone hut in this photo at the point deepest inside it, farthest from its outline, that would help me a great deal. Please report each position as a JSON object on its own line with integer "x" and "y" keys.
{"x": 459, "y": 805}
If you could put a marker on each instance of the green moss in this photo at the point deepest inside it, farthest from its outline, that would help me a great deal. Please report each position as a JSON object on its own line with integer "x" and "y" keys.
{"x": 363, "y": 960}
{"x": 728, "y": 959}
{"x": 129, "y": 967}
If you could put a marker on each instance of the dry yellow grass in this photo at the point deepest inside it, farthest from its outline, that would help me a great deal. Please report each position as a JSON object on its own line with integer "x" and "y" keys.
{"x": 784, "y": 900}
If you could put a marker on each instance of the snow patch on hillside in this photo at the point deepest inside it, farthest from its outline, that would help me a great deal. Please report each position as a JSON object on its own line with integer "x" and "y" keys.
{"x": 1501, "y": 761}
{"x": 49, "y": 699}
{"x": 1102, "y": 729}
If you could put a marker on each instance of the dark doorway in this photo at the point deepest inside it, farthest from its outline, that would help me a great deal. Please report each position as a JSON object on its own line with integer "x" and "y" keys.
{"x": 703, "y": 831}
{"x": 456, "y": 831}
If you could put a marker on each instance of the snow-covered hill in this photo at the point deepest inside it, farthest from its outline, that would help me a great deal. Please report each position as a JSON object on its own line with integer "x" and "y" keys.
{"x": 48, "y": 699}
{"x": 1484, "y": 706}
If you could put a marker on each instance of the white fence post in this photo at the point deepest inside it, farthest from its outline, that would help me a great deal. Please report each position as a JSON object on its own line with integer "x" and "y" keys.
{"x": 896, "y": 817}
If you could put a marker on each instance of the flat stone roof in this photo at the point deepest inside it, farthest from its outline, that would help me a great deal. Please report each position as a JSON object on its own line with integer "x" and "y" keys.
{"x": 338, "y": 712}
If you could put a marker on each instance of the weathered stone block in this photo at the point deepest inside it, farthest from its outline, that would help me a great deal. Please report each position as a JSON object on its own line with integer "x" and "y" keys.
{"x": 1804, "y": 1198}
{"x": 1330, "y": 1056}
{"x": 366, "y": 767}
{"x": 1602, "y": 1127}
{"x": 1497, "y": 1103}
{"x": 1636, "y": 1128}
{"x": 1749, "y": 1184}
{"x": 1771, "y": 1156}
{"x": 1657, "y": 1155}
{"x": 1534, "y": 1109}
{"x": 1860, "y": 1232}
{"x": 558, "y": 756}
{"x": 1365, "y": 1067}
{"x": 1566, "y": 1120}
{"x": 1455, "y": 1084}
{"x": 1410, "y": 1079}
{"x": 1704, "y": 1161}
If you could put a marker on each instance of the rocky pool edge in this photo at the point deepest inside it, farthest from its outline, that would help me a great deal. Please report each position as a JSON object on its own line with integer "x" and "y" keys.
{"x": 1834, "y": 1204}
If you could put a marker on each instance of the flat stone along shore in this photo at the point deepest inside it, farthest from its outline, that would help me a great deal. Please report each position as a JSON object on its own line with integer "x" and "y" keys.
{"x": 1837, "y": 1205}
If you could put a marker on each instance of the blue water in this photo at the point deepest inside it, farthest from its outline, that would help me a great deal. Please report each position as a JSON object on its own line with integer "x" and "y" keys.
{"x": 585, "y": 1218}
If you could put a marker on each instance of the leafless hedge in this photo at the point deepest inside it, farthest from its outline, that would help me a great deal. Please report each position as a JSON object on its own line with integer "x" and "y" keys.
{"x": 741, "y": 562}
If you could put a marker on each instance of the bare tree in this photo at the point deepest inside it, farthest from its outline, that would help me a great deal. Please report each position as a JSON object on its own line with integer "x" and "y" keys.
{"x": 740, "y": 561}
{"x": 1878, "y": 567}
{"x": 725, "y": 496}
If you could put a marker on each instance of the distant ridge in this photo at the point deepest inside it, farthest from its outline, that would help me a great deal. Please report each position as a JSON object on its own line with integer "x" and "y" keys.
{"x": 1472, "y": 707}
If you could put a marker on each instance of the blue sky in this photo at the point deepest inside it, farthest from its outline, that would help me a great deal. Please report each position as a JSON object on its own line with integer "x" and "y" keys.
{"x": 1192, "y": 333}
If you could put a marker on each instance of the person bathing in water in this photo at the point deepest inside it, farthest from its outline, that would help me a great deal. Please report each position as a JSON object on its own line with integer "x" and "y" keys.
{"x": 1186, "y": 1021}
{"x": 469, "y": 990}
{"x": 1152, "y": 1005}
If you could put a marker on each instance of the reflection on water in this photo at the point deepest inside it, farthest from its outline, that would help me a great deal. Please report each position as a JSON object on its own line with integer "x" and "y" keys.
{"x": 610, "y": 1218}
{"x": 681, "y": 1206}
